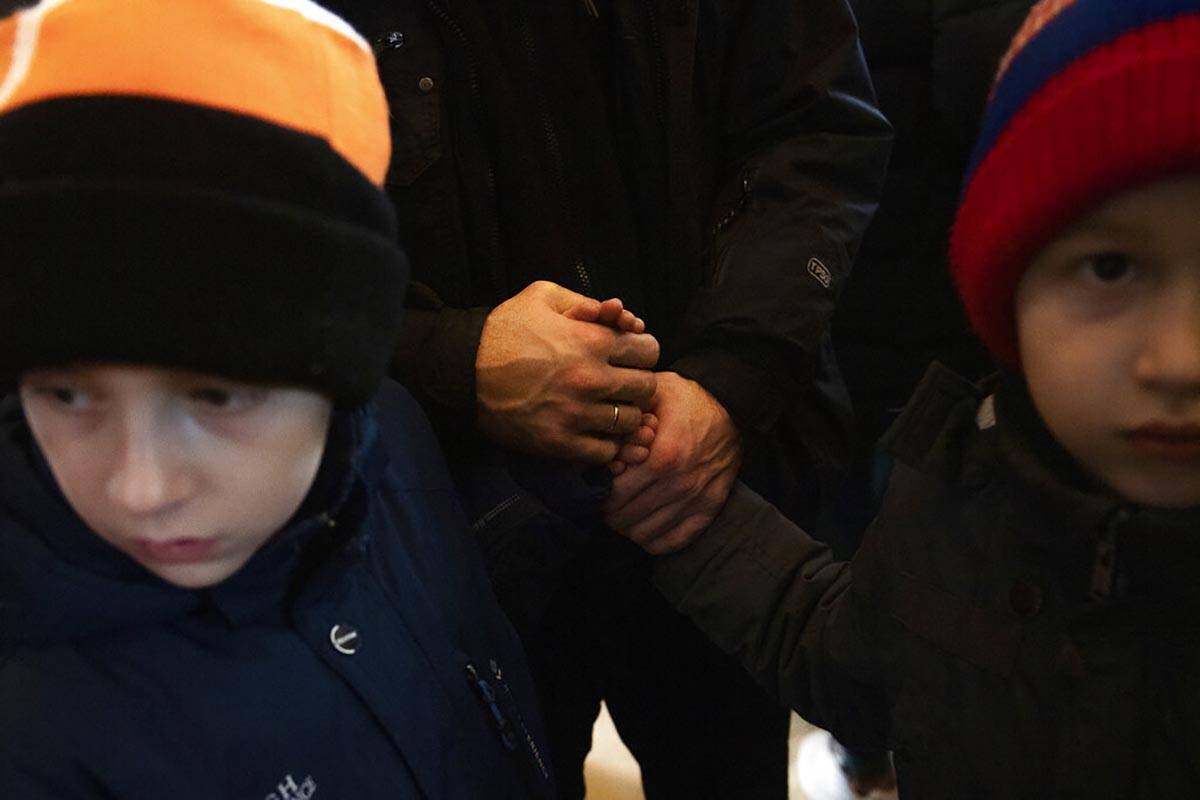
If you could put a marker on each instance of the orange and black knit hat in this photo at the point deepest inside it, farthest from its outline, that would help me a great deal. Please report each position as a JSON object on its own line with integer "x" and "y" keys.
{"x": 1095, "y": 97}
{"x": 196, "y": 184}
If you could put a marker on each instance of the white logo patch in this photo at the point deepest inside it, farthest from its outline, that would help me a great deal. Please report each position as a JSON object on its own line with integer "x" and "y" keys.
{"x": 820, "y": 272}
{"x": 288, "y": 789}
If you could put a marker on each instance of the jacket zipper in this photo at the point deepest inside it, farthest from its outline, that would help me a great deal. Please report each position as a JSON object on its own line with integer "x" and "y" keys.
{"x": 660, "y": 68}
{"x": 503, "y": 726}
{"x": 489, "y": 698}
{"x": 496, "y": 270}
{"x": 1105, "y": 580}
{"x": 739, "y": 205}
{"x": 554, "y": 149}
{"x": 486, "y": 519}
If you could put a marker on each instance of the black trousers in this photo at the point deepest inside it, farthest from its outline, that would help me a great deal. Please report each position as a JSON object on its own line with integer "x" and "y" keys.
{"x": 697, "y": 724}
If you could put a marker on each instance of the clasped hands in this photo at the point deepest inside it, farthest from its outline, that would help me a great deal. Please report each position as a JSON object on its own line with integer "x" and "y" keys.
{"x": 563, "y": 376}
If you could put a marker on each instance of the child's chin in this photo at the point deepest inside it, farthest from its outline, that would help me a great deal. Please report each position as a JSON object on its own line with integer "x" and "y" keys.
{"x": 1176, "y": 492}
{"x": 193, "y": 576}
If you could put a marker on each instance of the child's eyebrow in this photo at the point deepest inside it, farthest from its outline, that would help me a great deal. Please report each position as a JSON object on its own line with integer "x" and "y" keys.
{"x": 1109, "y": 227}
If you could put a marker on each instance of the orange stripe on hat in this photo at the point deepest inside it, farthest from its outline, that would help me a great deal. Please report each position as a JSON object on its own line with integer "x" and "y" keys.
{"x": 1039, "y": 17}
{"x": 288, "y": 62}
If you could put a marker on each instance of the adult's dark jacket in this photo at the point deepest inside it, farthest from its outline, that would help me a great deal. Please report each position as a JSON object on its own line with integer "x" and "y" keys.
{"x": 711, "y": 162}
{"x": 114, "y": 684}
{"x": 932, "y": 63}
{"x": 1008, "y": 628}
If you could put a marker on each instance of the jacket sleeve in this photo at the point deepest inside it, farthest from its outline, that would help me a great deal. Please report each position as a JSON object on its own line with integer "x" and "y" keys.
{"x": 804, "y": 150}
{"x": 435, "y": 356}
{"x": 763, "y": 590}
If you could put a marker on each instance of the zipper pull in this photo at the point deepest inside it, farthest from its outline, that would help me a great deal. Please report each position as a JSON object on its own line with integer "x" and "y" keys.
{"x": 489, "y": 698}
{"x": 543, "y": 770}
{"x": 590, "y": 7}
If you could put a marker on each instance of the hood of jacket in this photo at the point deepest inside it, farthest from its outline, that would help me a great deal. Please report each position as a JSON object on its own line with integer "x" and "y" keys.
{"x": 60, "y": 582}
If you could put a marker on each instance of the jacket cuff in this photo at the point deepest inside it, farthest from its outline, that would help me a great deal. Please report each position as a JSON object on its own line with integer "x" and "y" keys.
{"x": 749, "y": 393}
{"x": 675, "y": 574}
{"x": 438, "y": 354}
{"x": 749, "y": 544}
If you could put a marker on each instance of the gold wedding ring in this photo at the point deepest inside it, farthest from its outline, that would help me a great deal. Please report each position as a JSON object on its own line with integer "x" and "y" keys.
{"x": 612, "y": 426}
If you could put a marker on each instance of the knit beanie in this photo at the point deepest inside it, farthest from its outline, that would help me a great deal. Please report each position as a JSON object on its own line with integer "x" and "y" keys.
{"x": 196, "y": 184}
{"x": 1094, "y": 97}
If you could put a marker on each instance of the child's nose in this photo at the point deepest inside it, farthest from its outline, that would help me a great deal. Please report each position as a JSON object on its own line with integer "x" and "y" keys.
{"x": 143, "y": 481}
{"x": 1170, "y": 359}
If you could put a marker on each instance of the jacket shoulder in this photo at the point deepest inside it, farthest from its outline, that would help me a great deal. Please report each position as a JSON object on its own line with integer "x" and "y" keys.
{"x": 939, "y": 428}
{"x": 415, "y": 457}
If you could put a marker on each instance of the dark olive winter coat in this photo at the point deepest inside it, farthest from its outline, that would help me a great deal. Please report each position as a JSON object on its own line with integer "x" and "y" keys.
{"x": 1009, "y": 629}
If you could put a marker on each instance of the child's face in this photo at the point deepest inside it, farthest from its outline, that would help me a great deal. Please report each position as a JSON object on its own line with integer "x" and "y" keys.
{"x": 187, "y": 474}
{"x": 1108, "y": 322}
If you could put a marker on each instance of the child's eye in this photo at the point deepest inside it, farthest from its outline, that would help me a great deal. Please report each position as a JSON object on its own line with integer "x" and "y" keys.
{"x": 70, "y": 399}
{"x": 225, "y": 399}
{"x": 1108, "y": 268}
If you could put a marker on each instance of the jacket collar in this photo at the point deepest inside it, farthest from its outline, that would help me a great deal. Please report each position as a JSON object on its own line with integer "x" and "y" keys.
{"x": 1103, "y": 547}
{"x": 1107, "y": 547}
{"x": 330, "y": 518}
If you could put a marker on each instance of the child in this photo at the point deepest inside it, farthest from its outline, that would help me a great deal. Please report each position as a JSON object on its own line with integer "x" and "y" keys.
{"x": 232, "y": 564}
{"x": 1023, "y": 620}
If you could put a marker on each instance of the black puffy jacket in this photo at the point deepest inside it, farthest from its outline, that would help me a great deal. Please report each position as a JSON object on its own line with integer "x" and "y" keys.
{"x": 712, "y": 162}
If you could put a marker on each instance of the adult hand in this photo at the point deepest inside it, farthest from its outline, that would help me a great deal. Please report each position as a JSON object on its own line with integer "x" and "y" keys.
{"x": 664, "y": 502}
{"x": 552, "y": 367}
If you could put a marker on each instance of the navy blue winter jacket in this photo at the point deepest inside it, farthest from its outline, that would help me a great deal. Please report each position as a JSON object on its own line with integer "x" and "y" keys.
{"x": 359, "y": 654}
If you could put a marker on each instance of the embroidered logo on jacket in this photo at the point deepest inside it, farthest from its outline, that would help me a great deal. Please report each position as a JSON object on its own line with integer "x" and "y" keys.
{"x": 820, "y": 272}
{"x": 288, "y": 789}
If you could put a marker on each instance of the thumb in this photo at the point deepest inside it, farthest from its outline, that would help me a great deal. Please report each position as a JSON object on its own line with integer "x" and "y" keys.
{"x": 586, "y": 310}
{"x": 561, "y": 299}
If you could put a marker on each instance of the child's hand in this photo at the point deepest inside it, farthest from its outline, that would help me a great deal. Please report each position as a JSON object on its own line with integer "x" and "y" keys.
{"x": 635, "y": 448}
{"x": 609, "y": 312}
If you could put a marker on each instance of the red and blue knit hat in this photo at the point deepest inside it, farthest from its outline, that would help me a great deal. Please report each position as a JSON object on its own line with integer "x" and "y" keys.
{"x": 196, "y": 184}
{"x": 1094, "y": 97}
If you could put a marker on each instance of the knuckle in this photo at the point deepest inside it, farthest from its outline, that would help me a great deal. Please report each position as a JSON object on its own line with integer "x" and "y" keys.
{"x": 683, "y": 485}
{"x": 595, "y": 338}
{"x": 666, "y": 458}
{"x": 580, "y": 379}
{"x": 654, "y": 350}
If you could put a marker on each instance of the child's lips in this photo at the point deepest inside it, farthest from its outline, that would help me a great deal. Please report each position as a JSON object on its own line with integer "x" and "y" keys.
{"x": 1172, "y": 441}
{"x": 177, "y": 551}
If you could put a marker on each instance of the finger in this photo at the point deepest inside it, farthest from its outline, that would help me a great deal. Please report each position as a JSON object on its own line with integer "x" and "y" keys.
{"x": 557, "y": 297}
{"x": 680, "y": 536}
{"x": 630, "y": 323}
{"x": 632, "y": 386}
{"x": 646, "y": 530}
{"x": 650, "y": 421}
{"x": 616, "y": 467}
{"x": 631, "y": 454}
{"x": 588, "y": 310}
{"x": 637, "y": 350}
{"x": 629, "y": 508}
{"x": 647, "y": 525}
{"x": 630, "y": 485}
{"x": 611, "y": 313}
{"x": 643, "y": 436}
{"x": 583, "y": 449}
{"x": 615, "y": 420}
